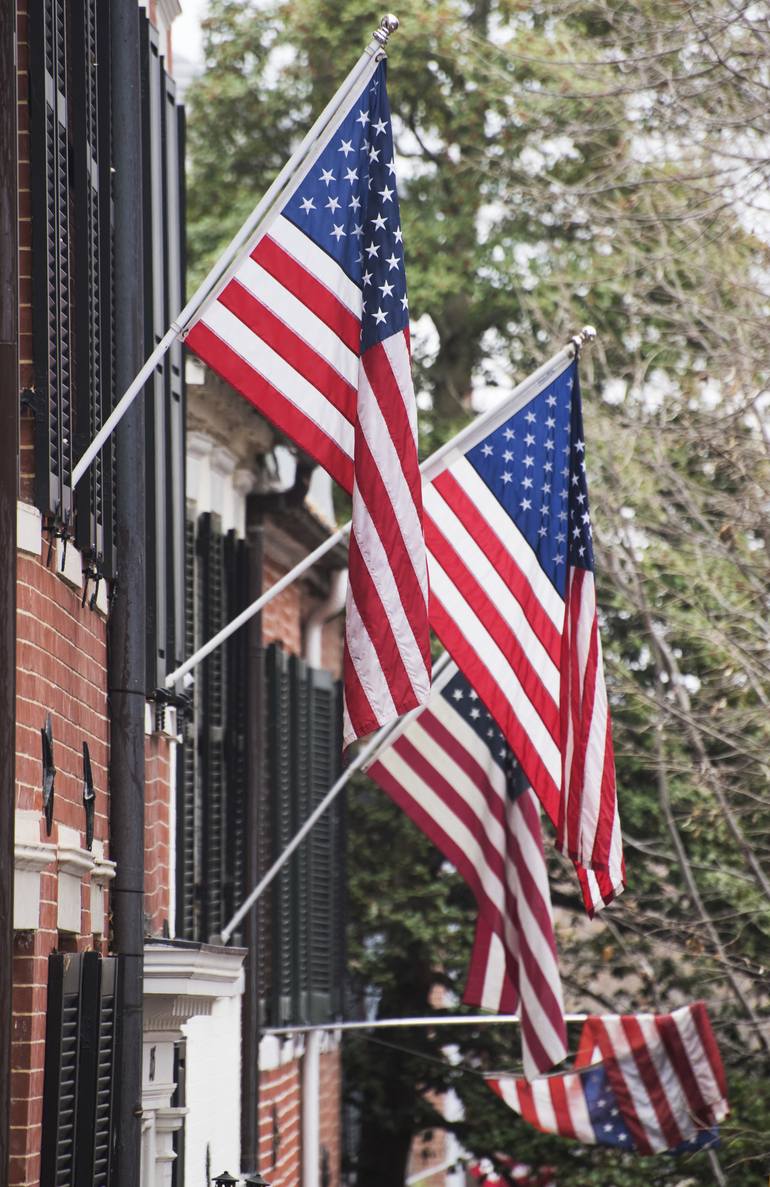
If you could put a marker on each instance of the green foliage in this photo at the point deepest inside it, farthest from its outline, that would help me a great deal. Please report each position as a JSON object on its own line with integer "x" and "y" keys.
{"x": 562, "y": 163}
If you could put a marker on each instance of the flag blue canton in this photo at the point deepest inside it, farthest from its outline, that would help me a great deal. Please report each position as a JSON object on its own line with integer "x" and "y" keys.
{"x": 534, "y": 465}
{"x": 608, "y": 1124}
{"x": 466, "y": 704}
{"x": 348, "y": 205}
{"x": 603, "y": 1110}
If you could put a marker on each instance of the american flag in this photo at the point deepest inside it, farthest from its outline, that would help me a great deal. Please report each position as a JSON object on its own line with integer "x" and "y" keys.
{"x": 452, "y": 773}
{"x": 659, "y": 1085}
{"x": 511, "y": 570}
{"x": 313, "y": 328}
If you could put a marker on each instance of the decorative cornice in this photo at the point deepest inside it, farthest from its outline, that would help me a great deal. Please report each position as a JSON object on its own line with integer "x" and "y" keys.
{"x": 199, "y": 972}
{"x": 75, "y": 861}
{"x": 103, "y": 871}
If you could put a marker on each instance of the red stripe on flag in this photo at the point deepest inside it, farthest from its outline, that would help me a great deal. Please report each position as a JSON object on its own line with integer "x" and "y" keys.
{"x": 427, "y": 823}
{"x": 701, "y": 1019}
{"x": 527, "y": 1106}
{"x": 680, "y": 1061}
{"x": 461, "y": 810}
{"x": 460, "y": 754}
{"x": 310, "y": 291}
{"x": 271, "y": 403}
{"x": 651, "y": 1080}
{"x": 594, "y": 1034}
{"x": 498, "y": 704}
{"x": 297, "y": 353}
{"x": 390, "y": 398}
{"x": 497, "y": 627}
{"x": 380, "y": 631}
{"x": 564, "y": 1125}
{"x": 502, "y": 561}
{"x": 384, "y": 517}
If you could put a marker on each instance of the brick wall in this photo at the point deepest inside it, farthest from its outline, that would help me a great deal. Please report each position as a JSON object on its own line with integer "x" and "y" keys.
{"x": 280, "y": 1119}
{"x": 61, "y": 670}
{"x": 282, "y": 618}
{"x": 280, "y": 1124}
{"x": 157, "y": 834}
{"x": 330, "y": 1123}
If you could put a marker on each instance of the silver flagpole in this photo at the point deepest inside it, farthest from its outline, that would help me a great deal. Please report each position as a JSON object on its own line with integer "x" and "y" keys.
{"x": 478, "y": 428}
{"x": 231, "y": 256}
{"x": 377, "y": 741}
{"x": 396, "y": 1023}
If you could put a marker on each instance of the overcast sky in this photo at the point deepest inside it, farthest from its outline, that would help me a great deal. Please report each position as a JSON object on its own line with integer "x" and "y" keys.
{"x": 187, "y": 33}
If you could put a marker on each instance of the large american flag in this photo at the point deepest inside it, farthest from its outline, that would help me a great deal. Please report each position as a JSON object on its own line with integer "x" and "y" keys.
{"x": 642, "y": 1082}
{"x": 511, "y": 570}
{"x": 452, "y": 773}
{"x": 313, "y": 328}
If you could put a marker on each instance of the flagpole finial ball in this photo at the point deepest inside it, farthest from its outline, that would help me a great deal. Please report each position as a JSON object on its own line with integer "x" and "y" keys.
{"x": 583, "y": 338}
{"x": 388, "y": 25}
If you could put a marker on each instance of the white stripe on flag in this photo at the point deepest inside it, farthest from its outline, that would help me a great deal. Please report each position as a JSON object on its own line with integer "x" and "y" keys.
{"x": 366, "y": 662}
{"x": 375, "y": 429}
{"x": 300, "y": 319}
{"x": 377, "y": 562}
{"x": 312, "y": 403}
{"x": 497, "y": 665}
{"x": 510, "y": 538}
{"x": 318, "y": 263}
{"x": 488, "y": 577}
{"x": 449, "y": 824}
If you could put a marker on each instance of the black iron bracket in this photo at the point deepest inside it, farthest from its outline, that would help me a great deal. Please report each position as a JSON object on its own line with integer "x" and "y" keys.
{"x": 49, "y": 772}
{"x": 89, "y": 796}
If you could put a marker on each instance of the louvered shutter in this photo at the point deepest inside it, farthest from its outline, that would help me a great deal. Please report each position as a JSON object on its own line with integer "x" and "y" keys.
{"x": 92, "y": 269}
{"x": 51, "y": 256}
{"x": 164, "y": 393}
{"x": 173, "y": 223}
{"x": 278, "y": 733}
{"x": 235, "y": 727}
{"x": 107, "y": 1071}
{"x": 300, "y": 809}
{"x": 212, "y": 763}
{"x": 80, "y": 1070}
{"x": 322, "y": 844}
{"x": 188, "y": 775}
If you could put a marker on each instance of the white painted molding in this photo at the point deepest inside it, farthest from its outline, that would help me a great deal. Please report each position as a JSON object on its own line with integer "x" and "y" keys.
{"x": 29, "y": 528}
{"x": 206, "y": 971}
{"x": 31, "y": 857}
{"x": 72, "y": 573}
{"x": 182, "y": 980}
{"x": 74, "y": 864}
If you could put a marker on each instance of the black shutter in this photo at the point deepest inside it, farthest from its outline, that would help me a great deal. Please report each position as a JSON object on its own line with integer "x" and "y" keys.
{"x": 235, "y": 727}
{"x": 173, "y": 184}
{"x": 164, "y": 393}
{"x": 188, "y": 782}
{"x": 301, "y": 889}
{"x": 80, "y": 1063}
{"x": 92, "y": 269}
{"x": 210, "y": 553}
{"x": 51, "y": 256}
{"x": 107, "y": 1072}
{"x": 278, "y": 734}
{"x": 323, "y": 846}
{"x": 306, "y": 935}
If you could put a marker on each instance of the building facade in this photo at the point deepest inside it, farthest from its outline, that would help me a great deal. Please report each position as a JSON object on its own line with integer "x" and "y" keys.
{"x": 138, "y": 817}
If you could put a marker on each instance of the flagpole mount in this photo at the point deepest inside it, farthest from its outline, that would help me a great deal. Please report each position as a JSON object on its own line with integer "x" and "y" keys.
{"x": 583, "y": 337}
{"x": 388, "y": 25}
